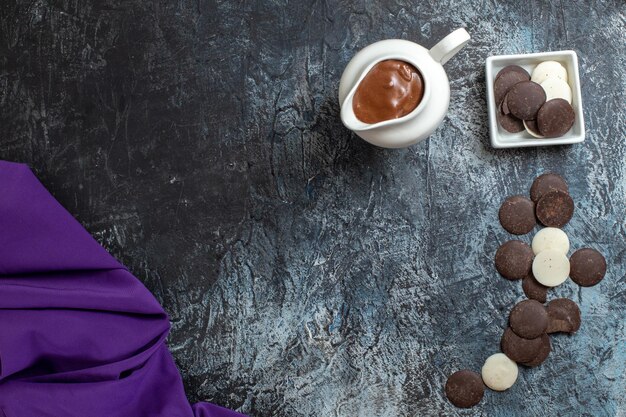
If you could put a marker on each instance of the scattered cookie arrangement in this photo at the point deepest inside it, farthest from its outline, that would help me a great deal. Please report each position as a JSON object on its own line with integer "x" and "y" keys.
{"x": 539, "y": 103}
{"x": 541, "y": 266}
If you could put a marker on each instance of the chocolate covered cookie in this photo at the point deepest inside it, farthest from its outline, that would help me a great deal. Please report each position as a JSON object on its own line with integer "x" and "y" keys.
{"x": 504, "y": 82}
{"x": 555, "y": 118}
{"x": 555, "y": 209}
{"x": 517, "y": 215}
{"x": 465, "y": 388}
{"x": 533, "y": 289}
{"x": 515, "y": 68}
{"x": 528, "y": 319}
{"x": 514, "y": 259}
{"x": 509, "y": 122}
{"x": 563, "y": 316}
{"x": 542, "y": 355}
{"x": 587, "y": 267}
{"x": 519, "y": 349}
{"x": 545, "y": 183}
{"x": 525, "y": 99}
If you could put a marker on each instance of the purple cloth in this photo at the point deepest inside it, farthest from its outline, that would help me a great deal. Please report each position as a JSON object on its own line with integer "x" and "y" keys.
{"x": 80, "y": 336}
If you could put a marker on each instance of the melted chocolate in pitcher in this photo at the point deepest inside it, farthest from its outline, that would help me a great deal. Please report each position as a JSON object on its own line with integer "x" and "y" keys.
{"x": 390, "y": 90}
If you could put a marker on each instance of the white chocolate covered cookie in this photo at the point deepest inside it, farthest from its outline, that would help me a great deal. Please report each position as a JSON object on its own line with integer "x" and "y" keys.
{"x": 557, "y": 88}
{"x": 548, "y": 69}
{"x": 551, "y": 267}
{"x": 499, "y": 372}
{"x": 550, "y": 238}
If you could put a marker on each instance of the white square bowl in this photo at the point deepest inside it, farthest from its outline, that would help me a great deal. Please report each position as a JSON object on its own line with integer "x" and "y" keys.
{"x": 500, "y": 138}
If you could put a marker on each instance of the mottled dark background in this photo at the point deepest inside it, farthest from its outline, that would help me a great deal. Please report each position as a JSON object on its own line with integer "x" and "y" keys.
{"x": 306, "y": 272}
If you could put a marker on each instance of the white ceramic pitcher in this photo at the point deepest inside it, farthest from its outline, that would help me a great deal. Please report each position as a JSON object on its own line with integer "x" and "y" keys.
{"x": 421, "y": 122}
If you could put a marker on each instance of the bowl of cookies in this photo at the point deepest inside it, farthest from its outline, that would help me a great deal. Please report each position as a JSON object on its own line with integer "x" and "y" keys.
{"x": 534, "y": 100}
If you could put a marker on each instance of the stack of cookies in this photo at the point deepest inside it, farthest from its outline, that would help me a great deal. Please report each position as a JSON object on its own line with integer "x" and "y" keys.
{"x": 539, "y": 103}
{"x": 541, "y": 266}
{"x": 544, "y": 263}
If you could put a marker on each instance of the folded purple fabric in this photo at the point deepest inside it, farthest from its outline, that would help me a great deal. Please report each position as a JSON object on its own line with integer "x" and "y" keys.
{"x": 80, "y": 336}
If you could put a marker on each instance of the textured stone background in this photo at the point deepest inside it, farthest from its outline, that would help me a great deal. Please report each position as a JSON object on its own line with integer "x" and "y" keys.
{"x": 307, "y": 273}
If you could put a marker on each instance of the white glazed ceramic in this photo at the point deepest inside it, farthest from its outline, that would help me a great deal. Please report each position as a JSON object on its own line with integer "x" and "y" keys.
{"x": 500, "y": 138}
{"x": 421, "y": 122}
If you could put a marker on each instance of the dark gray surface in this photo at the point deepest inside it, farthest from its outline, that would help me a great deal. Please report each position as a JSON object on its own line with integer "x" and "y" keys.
{"x": 307, "y": 273}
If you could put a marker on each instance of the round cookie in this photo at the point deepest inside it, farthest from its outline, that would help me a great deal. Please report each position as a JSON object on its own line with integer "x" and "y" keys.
{"x": 525, "y": 99}
{"x": 563, "y": 316}
{"x": 519, "y": 349}
{"x": 465, "y": 388}
{"x": 557, "y": 88}
{"x": 548, "y": 69}
{"x": 550, "y": 238}
{"x": 587, "y": 267}
{"x": 528, "y": 319}
{"x": 555, "y": 209}
{"x": 555, "y": 118}
{"x": 499, "y": 372}
{"x": 533, "y": 289}
{"x": 515, "y": 68}
{"x": 531, "y": 128}
{"x": 509, "y": 122}
{"x": 514, "y": 259}
{"x": 551, "y": 268}
{"x": 517, "y": 215}
{"x": 543, "y": 353}
{"x": 546, "y": 182}
{"x": 504, "y": 82}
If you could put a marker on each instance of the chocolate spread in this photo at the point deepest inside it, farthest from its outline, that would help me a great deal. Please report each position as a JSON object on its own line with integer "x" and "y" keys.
{"x": 390, "y": 90}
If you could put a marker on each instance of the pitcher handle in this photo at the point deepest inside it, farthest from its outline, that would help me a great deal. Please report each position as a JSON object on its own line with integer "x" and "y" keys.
{"x": 450, "y": 45}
